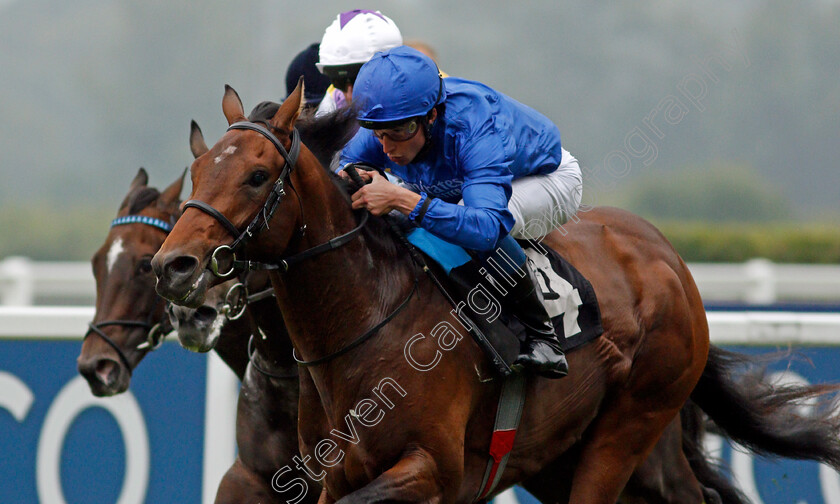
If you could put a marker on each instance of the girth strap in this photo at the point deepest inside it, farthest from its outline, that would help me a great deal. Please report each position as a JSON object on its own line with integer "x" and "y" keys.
{"x": 508, "y": 414}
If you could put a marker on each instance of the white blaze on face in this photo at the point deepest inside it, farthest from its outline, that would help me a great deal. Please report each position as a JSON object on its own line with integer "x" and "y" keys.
{"x": 225, "y": 153}
{"x": 114, "y": 253}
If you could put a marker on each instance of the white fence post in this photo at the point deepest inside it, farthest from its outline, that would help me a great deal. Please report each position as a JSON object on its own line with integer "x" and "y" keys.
{"x": 219, "y": 425}
{"x": 16, "y": 282}
{"x": 761, "y": 277}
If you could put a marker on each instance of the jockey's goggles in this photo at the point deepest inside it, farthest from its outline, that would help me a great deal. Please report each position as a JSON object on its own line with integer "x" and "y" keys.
{"x": 401, "y": 133}
{"x": 342, "y": 76}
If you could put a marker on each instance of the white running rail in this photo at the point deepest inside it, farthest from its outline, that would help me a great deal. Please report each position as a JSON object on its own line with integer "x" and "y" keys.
{"x": 24, "y": 282}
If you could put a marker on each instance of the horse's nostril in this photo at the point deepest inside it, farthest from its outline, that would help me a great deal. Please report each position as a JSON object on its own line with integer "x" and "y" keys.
{"x": 206, "y": 313}
{"x": 100, "y": 372}
{"x": 182, "y": 265}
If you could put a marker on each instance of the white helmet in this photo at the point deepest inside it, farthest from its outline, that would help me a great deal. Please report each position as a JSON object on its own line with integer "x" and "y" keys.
{"x": 355, "y": 36}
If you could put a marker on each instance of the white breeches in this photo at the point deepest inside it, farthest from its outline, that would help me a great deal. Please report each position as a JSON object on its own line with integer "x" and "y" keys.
{"x": 541, "y": 203}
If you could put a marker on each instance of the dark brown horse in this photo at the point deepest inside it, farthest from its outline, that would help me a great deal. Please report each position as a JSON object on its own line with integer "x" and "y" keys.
{"x": 130, "y": 318}
{"x": 423, "y": 436}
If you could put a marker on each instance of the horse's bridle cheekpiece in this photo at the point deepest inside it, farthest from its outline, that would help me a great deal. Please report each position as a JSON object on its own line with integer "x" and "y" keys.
{"x": 264, "y": 215}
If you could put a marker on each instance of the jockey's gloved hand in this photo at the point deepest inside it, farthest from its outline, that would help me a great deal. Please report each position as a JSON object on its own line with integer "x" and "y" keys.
{"x": 360, "y": 172}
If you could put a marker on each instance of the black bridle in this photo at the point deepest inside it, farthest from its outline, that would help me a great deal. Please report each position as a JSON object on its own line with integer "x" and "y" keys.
{"x": 260, "y": 222}
{"x": 154, "y": 338}
{"x": 237, "y": 300}
{"x": 264, "y": 215}
{"x": 252, "y": 353}
{"x": 156, "y": 331}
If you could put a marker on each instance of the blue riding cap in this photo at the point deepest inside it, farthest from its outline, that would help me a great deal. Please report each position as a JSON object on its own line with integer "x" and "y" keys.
{"x": 396, "y": 85}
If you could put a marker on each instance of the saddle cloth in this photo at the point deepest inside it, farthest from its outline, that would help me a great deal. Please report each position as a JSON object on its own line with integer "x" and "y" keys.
{"x": 568, "y": 296}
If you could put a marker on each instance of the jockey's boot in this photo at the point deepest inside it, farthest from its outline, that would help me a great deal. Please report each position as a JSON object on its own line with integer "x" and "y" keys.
{"x": 541, "y": 351}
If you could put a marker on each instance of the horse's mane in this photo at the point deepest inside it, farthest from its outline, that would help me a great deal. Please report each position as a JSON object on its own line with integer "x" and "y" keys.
{"x": 324, "y": 135}
{"x": 380, "y": 236}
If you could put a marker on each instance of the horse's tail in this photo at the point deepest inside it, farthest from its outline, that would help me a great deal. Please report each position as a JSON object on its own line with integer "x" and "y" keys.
{"x": 790, "y": 421}
{"x": 717, "y": 488}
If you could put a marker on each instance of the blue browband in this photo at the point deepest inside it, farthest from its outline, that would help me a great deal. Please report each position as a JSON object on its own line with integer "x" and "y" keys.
{"x": 142, "y": 219}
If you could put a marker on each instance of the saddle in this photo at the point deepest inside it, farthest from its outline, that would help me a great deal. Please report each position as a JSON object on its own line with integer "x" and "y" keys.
{"x": 568, "y": 297}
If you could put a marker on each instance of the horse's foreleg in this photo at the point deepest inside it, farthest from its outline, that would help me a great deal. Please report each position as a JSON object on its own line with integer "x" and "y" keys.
{"x": 239, "y": 485}
{"x": 325, "y": 498}
{"x": 415, "y": 478}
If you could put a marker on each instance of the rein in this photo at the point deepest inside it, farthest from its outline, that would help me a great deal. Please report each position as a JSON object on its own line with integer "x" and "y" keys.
{"x": 260, "y": 222}
{"x": 156, "y": 332}
{"x": 364, "y": 337}
{"x": 354, "y": 175}
{"x": 252, "y": 352}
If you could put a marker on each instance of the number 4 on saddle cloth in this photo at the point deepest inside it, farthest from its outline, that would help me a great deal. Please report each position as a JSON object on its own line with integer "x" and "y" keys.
{"x": 568, "y": 298}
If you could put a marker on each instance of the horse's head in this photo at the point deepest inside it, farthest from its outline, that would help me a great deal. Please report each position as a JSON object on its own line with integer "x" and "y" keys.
{"x": 242, "y": 183}
{"x": 223, "y": 309}
{"x": 199, "y": 328}
{"x": 129, "y": 314}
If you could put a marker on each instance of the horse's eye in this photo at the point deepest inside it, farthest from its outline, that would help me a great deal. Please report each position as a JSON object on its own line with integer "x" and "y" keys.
{"x": 258, "y": 178}
{"x": 144, "y": 267}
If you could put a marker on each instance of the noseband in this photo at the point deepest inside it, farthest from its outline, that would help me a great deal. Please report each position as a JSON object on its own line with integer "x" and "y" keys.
{"x": 264, "y": 215}
{"x": 156, "y": 332}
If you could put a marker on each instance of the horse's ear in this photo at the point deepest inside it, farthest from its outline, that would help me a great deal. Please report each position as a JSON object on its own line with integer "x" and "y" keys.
{"x": 290, "y": 110}
{"x": 197, "y": 144}
{"x": 172, "y": 194}
{"x": 232, "y": 106}
{"x": 140, "y": 180}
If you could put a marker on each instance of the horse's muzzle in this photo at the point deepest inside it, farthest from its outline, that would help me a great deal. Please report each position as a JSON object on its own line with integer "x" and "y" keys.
{"x": 180, "y": 280}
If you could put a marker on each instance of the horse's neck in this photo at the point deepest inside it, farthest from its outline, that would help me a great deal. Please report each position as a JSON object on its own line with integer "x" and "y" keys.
{"x": 232, "y": 346}
{"x": 271, "y": 339}
{"x": 330, "y": 299}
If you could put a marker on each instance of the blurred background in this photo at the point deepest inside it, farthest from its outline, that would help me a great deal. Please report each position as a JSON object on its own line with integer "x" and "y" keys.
{"x": 718, "y": 121}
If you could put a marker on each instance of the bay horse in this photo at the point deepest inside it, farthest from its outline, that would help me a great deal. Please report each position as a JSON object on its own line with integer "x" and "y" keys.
{"x": 265, "y": 399}
{"x": 267, "y": 407}
{"x": 432, "y": 449}
{"x": 130, "y": 319}
{"x": 126, "y": 295}
{"x": 624, "y": 388}
{"x": 126, "y": 327}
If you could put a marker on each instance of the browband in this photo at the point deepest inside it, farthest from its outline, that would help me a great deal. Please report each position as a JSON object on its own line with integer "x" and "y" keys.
{"x": 142, "y": 219}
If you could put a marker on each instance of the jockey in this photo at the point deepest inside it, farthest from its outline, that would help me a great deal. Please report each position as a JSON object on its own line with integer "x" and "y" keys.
{"x": 350, "y": 41}
{"x": 315, "y": 84}
{"x": 454, "y": 140}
